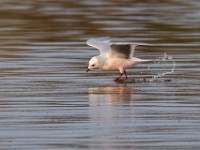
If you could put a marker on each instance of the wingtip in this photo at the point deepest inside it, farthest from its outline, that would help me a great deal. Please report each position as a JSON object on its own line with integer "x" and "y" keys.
{"x": 104, "y": 38}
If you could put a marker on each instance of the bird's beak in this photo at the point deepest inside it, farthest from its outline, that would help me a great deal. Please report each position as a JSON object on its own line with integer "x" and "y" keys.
{"x": 87, "y": 70}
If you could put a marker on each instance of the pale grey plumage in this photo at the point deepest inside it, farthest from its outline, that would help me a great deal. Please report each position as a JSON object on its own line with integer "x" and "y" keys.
{"x": 113, "y": 56}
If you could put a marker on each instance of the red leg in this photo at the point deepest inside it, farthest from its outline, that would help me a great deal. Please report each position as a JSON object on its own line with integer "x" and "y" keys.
{"x": 119, "y": 77}
{"x": 125, "y": 74}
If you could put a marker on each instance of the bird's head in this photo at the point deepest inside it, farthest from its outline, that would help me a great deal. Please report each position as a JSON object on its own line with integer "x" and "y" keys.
{"x": 93, "y": 64}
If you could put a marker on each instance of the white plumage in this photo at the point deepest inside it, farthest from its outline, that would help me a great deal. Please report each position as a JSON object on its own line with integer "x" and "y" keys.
{"x": 113, "y": 56}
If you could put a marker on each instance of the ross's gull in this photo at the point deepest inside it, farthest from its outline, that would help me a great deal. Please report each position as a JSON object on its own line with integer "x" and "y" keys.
{"x": 113, "y": 56}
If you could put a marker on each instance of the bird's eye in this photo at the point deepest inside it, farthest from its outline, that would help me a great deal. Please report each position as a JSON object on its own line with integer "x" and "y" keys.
{"x": 93, "y": 65}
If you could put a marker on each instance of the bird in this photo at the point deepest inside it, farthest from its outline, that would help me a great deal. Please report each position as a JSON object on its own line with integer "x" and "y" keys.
{"x": 113, "y": 56}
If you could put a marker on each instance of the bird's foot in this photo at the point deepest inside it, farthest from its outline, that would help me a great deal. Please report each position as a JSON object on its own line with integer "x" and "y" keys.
{"x": 117, "y": 79}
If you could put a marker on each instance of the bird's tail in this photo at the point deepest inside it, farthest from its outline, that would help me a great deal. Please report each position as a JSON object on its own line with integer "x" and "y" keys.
{"x": 145, "y": 60}
{"x": 138, "y": 60}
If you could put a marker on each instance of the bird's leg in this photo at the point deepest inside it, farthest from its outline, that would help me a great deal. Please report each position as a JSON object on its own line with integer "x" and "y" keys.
{"x": 125, "y": 74}
{"x": 119, "y": 76}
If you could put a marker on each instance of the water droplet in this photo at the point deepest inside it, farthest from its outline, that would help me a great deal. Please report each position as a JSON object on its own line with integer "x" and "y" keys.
{"x": 165, "y": 60}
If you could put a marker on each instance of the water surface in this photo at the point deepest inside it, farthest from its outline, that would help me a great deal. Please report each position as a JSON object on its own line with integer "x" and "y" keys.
{"x": 48, "y": 101}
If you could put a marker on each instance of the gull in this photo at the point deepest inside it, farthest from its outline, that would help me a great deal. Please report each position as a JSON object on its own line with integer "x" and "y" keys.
{"x": 113, "y": 56}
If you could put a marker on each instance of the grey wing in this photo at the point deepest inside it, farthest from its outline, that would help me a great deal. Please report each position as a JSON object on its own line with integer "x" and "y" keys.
{"x": 101, "y": 43}
{"x": 122, "y": 50}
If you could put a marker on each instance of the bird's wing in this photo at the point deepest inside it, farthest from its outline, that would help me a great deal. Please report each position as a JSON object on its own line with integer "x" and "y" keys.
{"x": 101, "y": 43}
{"x": 123, "y": 50}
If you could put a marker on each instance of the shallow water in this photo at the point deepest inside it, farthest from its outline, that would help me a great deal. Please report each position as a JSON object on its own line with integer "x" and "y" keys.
{"x": 48, "y": 101}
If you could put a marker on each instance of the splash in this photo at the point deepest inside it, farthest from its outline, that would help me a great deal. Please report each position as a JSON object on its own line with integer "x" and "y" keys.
{"x": 166, "y": 59}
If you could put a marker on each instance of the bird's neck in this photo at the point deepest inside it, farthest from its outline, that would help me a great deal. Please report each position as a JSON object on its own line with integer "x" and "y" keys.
{"x": 102, "y": 60}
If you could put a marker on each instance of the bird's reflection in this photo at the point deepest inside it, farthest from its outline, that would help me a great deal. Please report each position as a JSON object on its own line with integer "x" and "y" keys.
{"x": 119, "y": 93}
{"x": 105, "y": 101}
{"x": 109, "y": 106}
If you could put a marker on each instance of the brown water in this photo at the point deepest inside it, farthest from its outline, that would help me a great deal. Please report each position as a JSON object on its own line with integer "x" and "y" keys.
{"x": 49, "y": 102}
